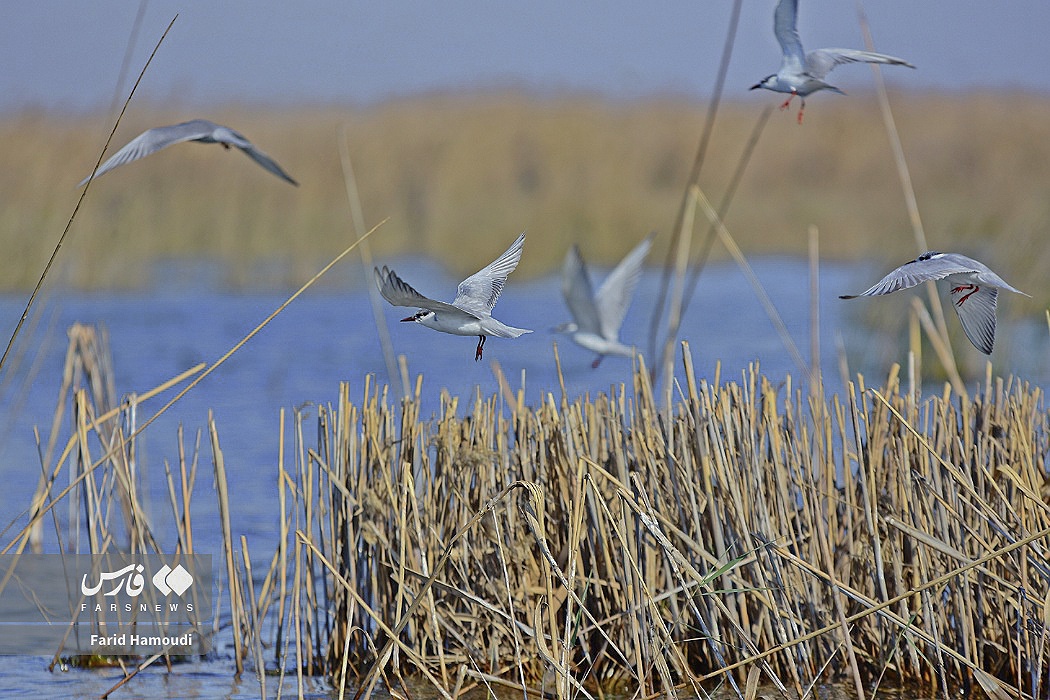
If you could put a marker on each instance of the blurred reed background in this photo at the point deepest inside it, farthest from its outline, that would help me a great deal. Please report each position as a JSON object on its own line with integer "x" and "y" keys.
{"x": 453, "y": 171}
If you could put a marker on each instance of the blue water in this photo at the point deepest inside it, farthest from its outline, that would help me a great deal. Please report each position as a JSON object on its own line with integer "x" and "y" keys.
{"x": 328, "y": 336}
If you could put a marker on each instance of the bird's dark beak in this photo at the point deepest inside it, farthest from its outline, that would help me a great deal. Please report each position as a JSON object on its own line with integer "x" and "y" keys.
{"x": 410, "y": 318}
{"x": 755, "y": 86}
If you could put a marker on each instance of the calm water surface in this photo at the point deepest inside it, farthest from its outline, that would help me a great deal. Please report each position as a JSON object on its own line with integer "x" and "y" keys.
{"x": 328, "y": 336}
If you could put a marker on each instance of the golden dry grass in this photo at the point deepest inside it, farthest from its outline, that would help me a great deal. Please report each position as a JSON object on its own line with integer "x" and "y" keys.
{"x": 608, "y": 543}
{"x": 454, "y": 171}
{"x": 746, "y": 531}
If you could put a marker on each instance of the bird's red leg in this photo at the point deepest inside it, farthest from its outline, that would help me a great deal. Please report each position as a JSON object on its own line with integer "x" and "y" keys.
{"x": 962, "y": 288}
{"x": 597, "y": 361}
{"x": 788, "y": 101}
{"x": 481, "y": 344}
{"x": 801, "y": 109}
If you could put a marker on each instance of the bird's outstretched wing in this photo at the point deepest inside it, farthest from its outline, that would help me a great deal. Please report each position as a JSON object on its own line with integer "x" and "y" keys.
{"x": 976, "y": 311}
{"x": 820, "y": 62}
{"x": 479, "y": 292}
{"x": 267, "y": 162}
{"x": 785, "y": 27}
{"x": 579, "y": 296}
{"x": 400, "y": 293}
{"x": 152, "y": 140}
{"x": 927, "y": 267}
{"x": 614, "y": 296}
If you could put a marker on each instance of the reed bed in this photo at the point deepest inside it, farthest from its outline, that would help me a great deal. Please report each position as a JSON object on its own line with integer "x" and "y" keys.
{"x": 90, "y": 497}
{"x": 754, "y": 531}
{"x": 454, "y": 170}
{"x": 746, "y": 531}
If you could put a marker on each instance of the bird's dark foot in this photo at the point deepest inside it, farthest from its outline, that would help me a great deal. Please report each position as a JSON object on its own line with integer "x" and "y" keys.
{"x": 481, "y": 344}
{"x": 597, "y": 361}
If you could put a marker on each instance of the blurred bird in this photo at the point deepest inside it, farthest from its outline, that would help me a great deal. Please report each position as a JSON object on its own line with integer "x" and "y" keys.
{"x": 597, "y": 317}
{"x": 974, "y": 289}
{"x": 202, "y": 130}
{"x": 803, "y": 73}
{"x": 470, "y": 313}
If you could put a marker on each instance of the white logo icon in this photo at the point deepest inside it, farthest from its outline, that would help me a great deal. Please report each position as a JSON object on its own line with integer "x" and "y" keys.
{"x": 169, "y": 580}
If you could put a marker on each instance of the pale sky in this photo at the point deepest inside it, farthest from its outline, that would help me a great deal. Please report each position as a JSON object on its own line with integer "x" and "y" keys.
{"x": 66, "y": 54}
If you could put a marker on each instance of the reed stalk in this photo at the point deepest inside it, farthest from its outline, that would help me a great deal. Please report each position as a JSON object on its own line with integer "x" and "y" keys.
{"x": 938, "y": 330}
{"x": 83, "y": 194}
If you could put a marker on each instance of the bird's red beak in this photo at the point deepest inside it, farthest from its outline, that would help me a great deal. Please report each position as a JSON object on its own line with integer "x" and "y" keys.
{"x": 410, "y": 318}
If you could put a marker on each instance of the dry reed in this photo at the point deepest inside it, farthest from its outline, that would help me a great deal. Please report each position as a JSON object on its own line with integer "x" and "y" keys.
{"x": 592, "y": 544}
{"x": 107, "y": 512}
{"x": 755, "y": 530}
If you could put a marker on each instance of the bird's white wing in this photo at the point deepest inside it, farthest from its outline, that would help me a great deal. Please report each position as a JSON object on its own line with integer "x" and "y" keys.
{"x": 579, "y": 297}
{"x": 400, "y": 293}
{"x": 153, "y": 140}
{"x": 976, "y": 311}
{"x": 479, "y": 292}
{"x": 927, "y": 267}
{"x": 785, "y": 27}
{"x": 614, "y": 296}
{"x": 820, "y": 62}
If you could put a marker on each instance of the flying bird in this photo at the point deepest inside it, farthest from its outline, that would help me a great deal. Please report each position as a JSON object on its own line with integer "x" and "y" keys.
{"x": 803, "y": 73}
{"x": 597, "y": 316}
{"x": 470, "y": 313}
{"x": 152, "y": 140}
{"x": 974, "y": 289}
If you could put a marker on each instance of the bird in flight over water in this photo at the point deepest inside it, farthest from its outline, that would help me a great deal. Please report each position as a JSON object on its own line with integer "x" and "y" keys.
{"x": 974, "y": 289}
{"x": 201, "y": 130}
{"x": 597, "y": 316}
{"x": 803, "y": 73}
{"x": 470, "y": 313}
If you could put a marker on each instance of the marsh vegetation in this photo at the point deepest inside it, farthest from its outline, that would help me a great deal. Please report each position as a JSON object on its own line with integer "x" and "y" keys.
{"x": 452, "y": 171}
{"x": 731, "y": 531}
